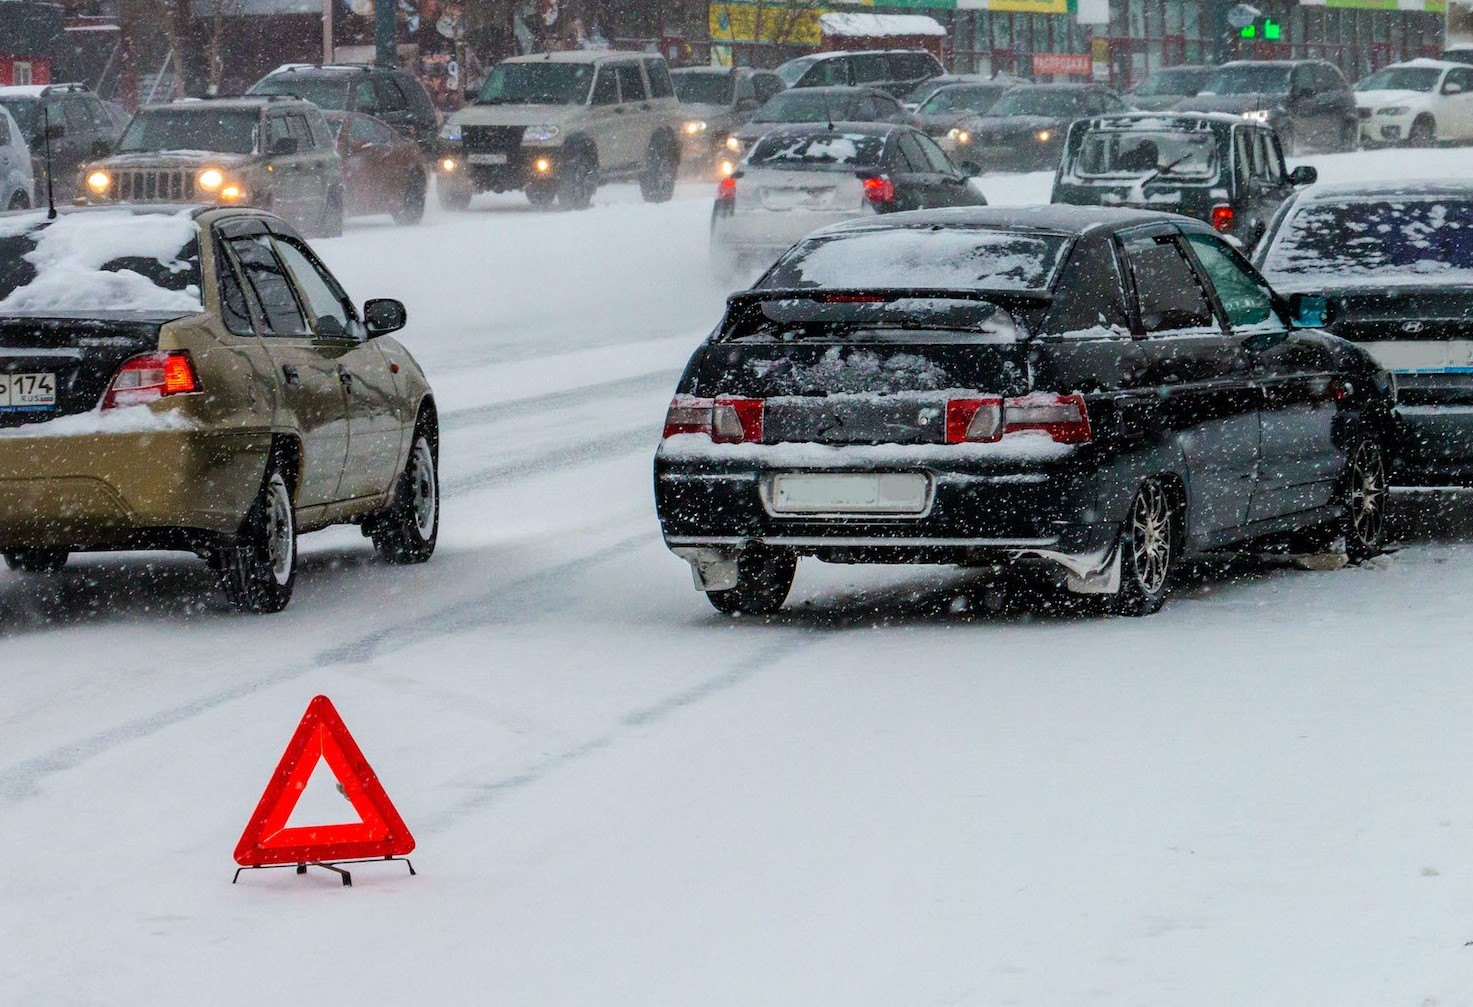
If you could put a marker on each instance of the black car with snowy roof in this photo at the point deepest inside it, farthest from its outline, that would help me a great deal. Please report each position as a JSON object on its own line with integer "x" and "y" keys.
{"x": 385, "y": 92}
{"x": 797, "y": 106}
{"x": 1096, "y": 392}
{"x": 1308, "y": 102}
{"x": 1222, "y": 169}
{"x": 1395, "y": 262}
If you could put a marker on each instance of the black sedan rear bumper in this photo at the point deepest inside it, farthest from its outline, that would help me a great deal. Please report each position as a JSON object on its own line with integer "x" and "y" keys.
{"x": 978, "y": 510}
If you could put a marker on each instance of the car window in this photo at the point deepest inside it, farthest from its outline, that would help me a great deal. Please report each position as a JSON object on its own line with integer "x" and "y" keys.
{"x": 1301, "y": 80}
{"x": 98, "y": 114}
{"x": 365, "y": 99}
{"x": 767, "y": 85}
{"x": 297, "y": 127}
{"x": 659, "y": 75}
{"x": 863, "y": 109}
{"x": 1463, "y": 77}
{"x": 606, "y": 88}
{"x": 234, "y": 311}
{"x": 75, "y": 114}
{"x": 1167, "y": 290}
{"x": 744, "y": 89}
{"x": 888, "y": 108}
{"x": 631, "y": 84}
{"x": 910, "y": 156}
{"x": 1266, "y": 162}
{"x": 330, "y": 312}
{"x": 390, "y": 98}
{"x": 940, "y": 163}
{"x": 869, "y": 68}
{"x": 276, "y": 129}
{"x": 911, "y": 66}
{"x": 1328, "y": 79}
{"x": 363, "y": 129}
{"x": 1246, "y": 299}
{"x": 827, "y": 71}
{"x": 269, "y": 280}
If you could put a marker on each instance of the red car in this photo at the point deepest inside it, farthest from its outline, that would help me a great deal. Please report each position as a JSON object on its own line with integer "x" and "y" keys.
{"x": 382, "y": 169}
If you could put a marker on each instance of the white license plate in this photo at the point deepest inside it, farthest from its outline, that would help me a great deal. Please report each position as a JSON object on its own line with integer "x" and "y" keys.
{"x": 851, "y": 493}
{"x": 27, "y": 391}
{"x": 487, "y": 158}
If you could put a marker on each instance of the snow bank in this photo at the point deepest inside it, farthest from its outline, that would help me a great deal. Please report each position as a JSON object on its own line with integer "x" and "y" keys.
{"x": 126, "y": 420}
{"x": 879, "y": 25}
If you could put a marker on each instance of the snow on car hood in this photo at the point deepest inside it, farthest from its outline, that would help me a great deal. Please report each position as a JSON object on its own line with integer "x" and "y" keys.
{"x": 71, "y": 251}
{"x": 1381, "y": 99}
{"x": 174, "y": 159}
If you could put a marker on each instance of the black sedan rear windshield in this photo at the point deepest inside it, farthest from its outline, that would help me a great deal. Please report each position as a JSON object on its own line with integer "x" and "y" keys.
{"x": 806, "y": 105}
{"x": 953, "y": 258}
{"x": 191, "y": 127}
{"x": 933, "y": 319}
{"x": 961, "y": 98}
{"x": 818, "y": 152}
{"x": 1408, "y": 239}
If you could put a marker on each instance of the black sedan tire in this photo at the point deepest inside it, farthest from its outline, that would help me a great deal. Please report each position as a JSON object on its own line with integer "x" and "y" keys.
{"x": 1364, "y": 495}
{"x": 1148, "y": 547}
{"x": 36, "y": 560}
{"x": 657, "y": 181}
{"x": 764, "y": 578}
{"x": 412, "y": 209}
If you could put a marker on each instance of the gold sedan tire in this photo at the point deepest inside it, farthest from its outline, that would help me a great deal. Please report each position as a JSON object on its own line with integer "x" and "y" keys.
{"x": 261, "y": 570}
{"x": 407, "y": 529}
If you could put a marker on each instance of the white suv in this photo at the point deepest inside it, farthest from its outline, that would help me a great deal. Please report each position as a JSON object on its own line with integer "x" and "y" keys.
{"x": 558, "y": 124}
{"x": 15, "y": 166}
{"x": 1418, "y": 103}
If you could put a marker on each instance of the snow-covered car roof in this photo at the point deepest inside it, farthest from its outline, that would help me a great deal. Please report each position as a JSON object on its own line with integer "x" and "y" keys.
{"x": 1414, "y": 187}
{"x": 1165, "y": 120}
{"x": 24, "y": 90}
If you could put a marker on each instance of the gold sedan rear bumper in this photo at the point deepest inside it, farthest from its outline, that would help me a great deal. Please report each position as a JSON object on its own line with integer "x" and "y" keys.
{"x": 117, "y": 488}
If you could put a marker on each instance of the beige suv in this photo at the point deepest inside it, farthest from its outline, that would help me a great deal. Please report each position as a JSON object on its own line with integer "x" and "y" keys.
{"x": 558, "y": 124}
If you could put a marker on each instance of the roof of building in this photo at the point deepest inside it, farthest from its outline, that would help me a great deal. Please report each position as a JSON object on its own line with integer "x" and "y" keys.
{"x": 879, "y": 25}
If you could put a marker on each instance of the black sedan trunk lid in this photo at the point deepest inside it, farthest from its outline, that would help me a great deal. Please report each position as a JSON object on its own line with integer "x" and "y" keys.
{"x": 60, "y": 366}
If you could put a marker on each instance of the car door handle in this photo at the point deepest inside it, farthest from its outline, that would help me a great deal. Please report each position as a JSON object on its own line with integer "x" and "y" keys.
{"x": 290, "y": 373}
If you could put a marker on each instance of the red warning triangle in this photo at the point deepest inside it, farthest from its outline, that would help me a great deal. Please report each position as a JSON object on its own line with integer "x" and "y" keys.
{"x": 322, "y": 736}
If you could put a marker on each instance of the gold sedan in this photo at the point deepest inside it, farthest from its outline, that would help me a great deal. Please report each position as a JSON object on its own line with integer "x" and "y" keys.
{"x": 177, "y": 377}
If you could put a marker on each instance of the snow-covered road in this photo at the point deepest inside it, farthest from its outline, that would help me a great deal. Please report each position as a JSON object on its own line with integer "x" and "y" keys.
{"x": 883, "y": 796}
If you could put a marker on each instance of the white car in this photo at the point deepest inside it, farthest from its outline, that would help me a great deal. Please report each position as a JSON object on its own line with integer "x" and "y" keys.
{"x": 16, "y": 178}
{"x": 1416, "y": 104}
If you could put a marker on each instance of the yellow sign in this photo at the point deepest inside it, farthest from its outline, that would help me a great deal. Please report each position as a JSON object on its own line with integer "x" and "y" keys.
{"x": 1031, "y": 6}
{"x": 788, "y": 23}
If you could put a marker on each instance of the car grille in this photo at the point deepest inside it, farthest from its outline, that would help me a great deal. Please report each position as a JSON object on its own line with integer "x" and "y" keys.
{"x": 491, "y": 139}
{"x": 154, "y": 186}
{"x": 1364, "y": 113}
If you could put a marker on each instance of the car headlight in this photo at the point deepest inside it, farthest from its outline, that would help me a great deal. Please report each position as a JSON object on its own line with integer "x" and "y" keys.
{"x": 695, "y": 127}
{"x": 734, "y": 144}
{"x": 232, "y": 193}
{"x": 956, "y": 135}
{"x": 1394, "y": 110}
{"x": 1043, "y": 136}
{"x": 540, "y": 134}
{"x": 450, "y": 132}
{"x": 99, "y": 182}
{"x": 210, "y": 179}
{"x": 1257, "y": 115}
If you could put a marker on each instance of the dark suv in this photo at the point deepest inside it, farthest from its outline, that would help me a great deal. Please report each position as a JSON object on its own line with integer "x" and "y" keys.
{"x": 1308, "y": 102}
{"x": 273, "y": 153}
{"x": 1222, "y": 169}
{"x": 897, "y": 71}
{"x": 384, "y": 92}
{"x": 81, "y": 130}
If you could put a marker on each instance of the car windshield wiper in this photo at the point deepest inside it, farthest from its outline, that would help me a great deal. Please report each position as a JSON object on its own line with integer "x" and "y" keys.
{"x": 1166, "y": 170}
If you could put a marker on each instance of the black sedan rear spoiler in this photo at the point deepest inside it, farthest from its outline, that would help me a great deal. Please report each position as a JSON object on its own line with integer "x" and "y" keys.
{"x": 879, "y": 295}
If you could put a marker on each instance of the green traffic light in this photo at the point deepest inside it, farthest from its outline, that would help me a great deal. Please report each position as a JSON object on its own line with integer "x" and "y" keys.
{"x": 1250, "y": 32}
{"x": 1271, "y": 30}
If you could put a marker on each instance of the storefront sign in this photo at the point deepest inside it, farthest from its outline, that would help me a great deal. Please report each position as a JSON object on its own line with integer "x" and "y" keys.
{"x": 1066, "y": 63}
{"x": 1430, "y": 6}
{"x": 772, "y": 21}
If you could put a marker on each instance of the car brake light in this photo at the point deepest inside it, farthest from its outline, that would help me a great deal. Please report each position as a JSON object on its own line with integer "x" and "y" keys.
{"x": 973, "y": 420}
{"x": 1063, "y": 417}
{"x": 152, "y": 376}
{"x": 725, "y": 421}
{"x": 879, "y": 190}
{"x": 1222, "y": 217}
{"x": 726, "y": 190}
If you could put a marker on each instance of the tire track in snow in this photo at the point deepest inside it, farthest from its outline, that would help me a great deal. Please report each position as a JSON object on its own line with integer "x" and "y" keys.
{"x": 591, "y": 450}
{"x": 22, "y": 780}
{"x": 473, "y": 416}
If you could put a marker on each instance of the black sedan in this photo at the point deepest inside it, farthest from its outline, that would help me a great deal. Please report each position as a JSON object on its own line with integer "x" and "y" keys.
{"x": 1395, "y": 261}
{"x": 817, "y": 104}
{"x": 1099, "y": 393}
{"x": 1025, "y": 130}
